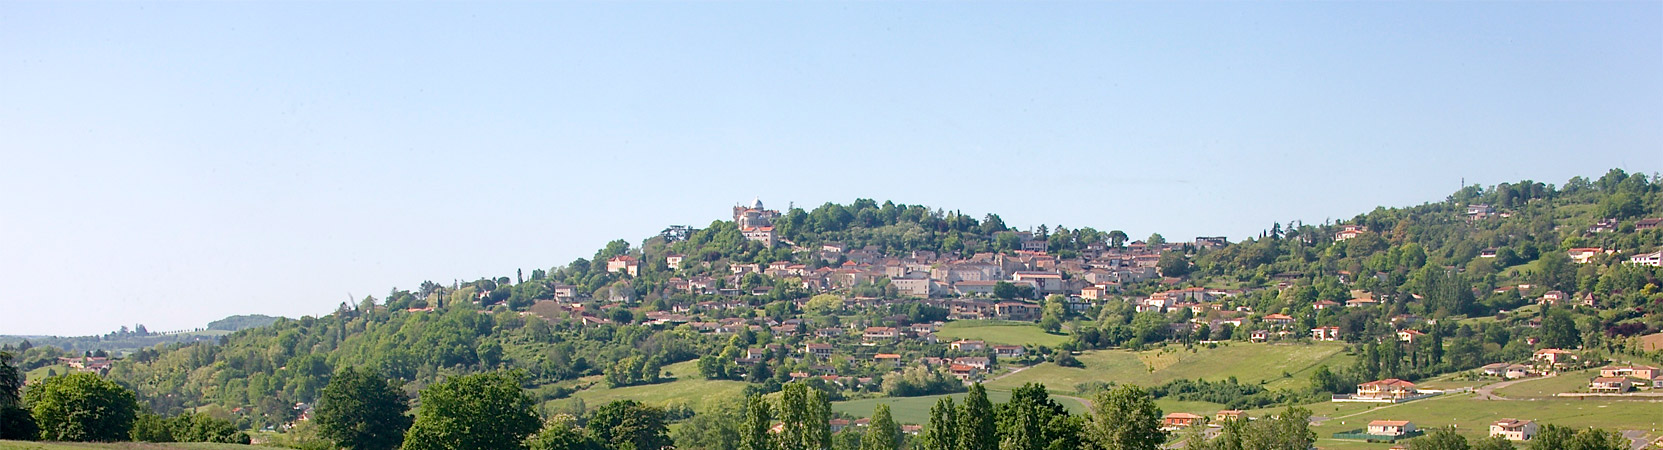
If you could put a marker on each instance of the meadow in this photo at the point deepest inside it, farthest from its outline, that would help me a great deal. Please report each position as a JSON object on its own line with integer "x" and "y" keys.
{"x": 999, "y": 332}
{"x": 1249, "y": 363}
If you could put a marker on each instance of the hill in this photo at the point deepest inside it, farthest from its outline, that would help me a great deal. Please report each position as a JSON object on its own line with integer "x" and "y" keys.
{"x": 746, "y": 305}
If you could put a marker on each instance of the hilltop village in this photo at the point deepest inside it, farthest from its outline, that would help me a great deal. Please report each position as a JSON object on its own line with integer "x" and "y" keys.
{"x": 1552, "y": 289}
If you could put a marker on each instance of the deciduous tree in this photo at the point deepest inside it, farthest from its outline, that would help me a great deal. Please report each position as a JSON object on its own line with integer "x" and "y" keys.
{"x": 82, "y": 407}
{"x": 360, "y": 410}
{"x": 485, "y": 411}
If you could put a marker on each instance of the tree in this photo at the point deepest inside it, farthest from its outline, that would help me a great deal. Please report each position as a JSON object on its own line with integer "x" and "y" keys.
{"x": 15, "y": 422}
{"x": 882, "y": 433}
{"x": 151, "y": 428}
{"x": 942, "y": 431}
{"x": 1290, "y": 430}
{"x": 82, "y": 407}
{"x": 1125, "y": 418}
{"x": 1031, "y": 420}
{"x": 485, "y": 411}
{"x": 363, "y": 411}
{"x": 1443, "y": 438}
{"x": 1116, "y": 238}
{"x": 1559, "y": 330}
{"x": 753, "y": 435}
{"x": 562, "y": 434}
{"x": 1493, "y": 443}
{"x": 628, "y": 424}
{"x": 1173, "y": 264}
{"x": 717, "y": 427}
{"x": 977, "y": 429}
{"x": 804, "y": 413}
{"x": 1155, "y": 240}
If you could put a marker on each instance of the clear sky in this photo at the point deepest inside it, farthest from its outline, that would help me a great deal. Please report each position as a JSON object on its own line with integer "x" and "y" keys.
{"x": 172, "y": 163}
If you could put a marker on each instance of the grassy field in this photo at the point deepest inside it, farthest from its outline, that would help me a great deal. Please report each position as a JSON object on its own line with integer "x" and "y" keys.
{"x": 1546, "y": 387}
{"x": 999, "y": 332}
{"x": 690, "y": 390}
{"x": 19, "y": 445}
{"x": 1249, "y": 363}
{"x": 1472, "y": 417}
{"x": 40, "y": 373}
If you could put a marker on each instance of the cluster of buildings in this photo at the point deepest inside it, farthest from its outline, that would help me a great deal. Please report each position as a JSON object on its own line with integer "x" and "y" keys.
{"x": 94, "y": 364}
{"x": 1621, "y": 379}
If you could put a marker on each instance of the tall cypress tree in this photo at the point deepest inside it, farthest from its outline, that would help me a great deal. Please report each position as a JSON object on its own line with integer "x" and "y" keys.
{"x": 883, "y": 433}
{"x": 977, "y": 430}
{"x": 942, "y": 431}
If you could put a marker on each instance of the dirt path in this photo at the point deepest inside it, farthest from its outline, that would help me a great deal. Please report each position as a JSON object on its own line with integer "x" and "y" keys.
{"x": 1488, "y": 391}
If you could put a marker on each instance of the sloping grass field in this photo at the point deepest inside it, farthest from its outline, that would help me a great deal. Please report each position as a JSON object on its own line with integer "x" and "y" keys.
{"x": 689, "y": 389}
{"x": 1249, "y": 363}
{"x": 999, "y": 332}
{"x": 1545, "y": 387}
{"x": 1472, "y": 417}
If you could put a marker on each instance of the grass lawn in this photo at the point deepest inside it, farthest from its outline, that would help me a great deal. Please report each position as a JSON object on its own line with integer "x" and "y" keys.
{"x": 40, "y": 373}
{"x": 1546, "y": 387}
{"x": 1249, "y": 363}
{"x": 20, "y": 445}
{"x": 999, "y": 332}
{"x": 1472, "y": 417}
{"x": 690, "y": 390}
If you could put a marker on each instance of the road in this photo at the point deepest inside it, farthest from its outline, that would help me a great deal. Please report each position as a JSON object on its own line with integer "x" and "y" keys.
{"x": 1488, "y": 391}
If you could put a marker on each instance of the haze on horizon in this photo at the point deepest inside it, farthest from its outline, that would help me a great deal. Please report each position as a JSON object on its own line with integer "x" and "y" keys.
{"x": 173, "y": 163}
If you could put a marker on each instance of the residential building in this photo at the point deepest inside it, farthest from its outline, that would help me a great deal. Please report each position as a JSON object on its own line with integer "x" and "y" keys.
{"x": 1178, "y": 420}
{"x": 1582, "y": 255}
{"x": 1229, "y": 414}
{"x": 1610, "y": 385}
{"x": 1555, "y": 357}
{"x": 968, "y": 346}
{"x": 1391, "y": 427}
{"x": 1653, "y": 259}
{"x": 819, "y": 350}
{"x": 1642, "y": 372}
{"x": 1514, "y": 429}
{"x": 1009, "y": 351}
{"x": 1387, "y": 389}
{"x": 1325, "y": 333}
{"x": 623, "y": 263}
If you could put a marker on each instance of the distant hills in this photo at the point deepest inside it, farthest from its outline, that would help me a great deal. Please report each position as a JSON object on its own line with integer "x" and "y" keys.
{"x": 126, "y": 340}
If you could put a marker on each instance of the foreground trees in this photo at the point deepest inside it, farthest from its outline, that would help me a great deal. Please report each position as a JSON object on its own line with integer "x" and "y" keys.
{"x": 15, "y": 421}
{"x": 361, "y": 410}
{"x": 1125, "y": 418}
{"x": 486, "y": 411}
{"x": 82, "y": 407}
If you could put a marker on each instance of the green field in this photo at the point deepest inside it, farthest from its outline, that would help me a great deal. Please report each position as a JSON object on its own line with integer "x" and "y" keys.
{"x": 1249, "y": 363}
{"x": 999, "y": 332}
{"x": 19, "y": 445}
{"x": 1546, "y": 387}
{"x": 690, "y": 390}
{"x": 1472, "y": 417}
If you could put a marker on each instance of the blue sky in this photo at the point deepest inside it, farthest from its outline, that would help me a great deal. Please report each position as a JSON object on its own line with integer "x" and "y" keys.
{"x": 172, "y": 163}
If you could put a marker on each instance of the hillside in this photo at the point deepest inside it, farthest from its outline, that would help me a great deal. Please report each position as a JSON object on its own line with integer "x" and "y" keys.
{"x": 746, "y": 305}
